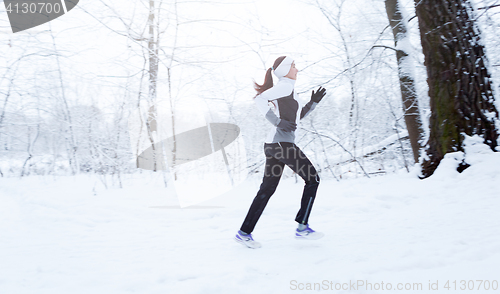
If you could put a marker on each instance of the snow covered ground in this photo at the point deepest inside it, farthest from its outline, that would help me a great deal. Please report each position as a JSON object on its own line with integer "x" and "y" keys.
{"x": 65, "y": 236}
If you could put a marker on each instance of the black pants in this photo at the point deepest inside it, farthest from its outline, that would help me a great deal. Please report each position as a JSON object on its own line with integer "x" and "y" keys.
{"x": 277, "y": 156}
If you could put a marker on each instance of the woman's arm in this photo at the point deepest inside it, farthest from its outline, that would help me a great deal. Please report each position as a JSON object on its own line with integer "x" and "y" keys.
{"x": 262, "y": 103}
{"x": 306, "y": 109}
{"x": 315, "y": 99}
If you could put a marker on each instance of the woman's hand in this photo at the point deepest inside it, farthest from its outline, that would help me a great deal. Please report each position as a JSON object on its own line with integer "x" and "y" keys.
{"x": 320, "y": 93}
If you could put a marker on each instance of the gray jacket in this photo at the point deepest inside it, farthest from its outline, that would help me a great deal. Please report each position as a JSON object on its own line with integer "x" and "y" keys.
{"x": 281, "y": 102}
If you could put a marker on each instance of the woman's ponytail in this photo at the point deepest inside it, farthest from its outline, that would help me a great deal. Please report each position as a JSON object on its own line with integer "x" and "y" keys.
{"x": 268, "y": 83}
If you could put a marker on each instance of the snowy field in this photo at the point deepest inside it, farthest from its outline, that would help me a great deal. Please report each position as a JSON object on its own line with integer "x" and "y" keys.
{"x": 71, "y": 235}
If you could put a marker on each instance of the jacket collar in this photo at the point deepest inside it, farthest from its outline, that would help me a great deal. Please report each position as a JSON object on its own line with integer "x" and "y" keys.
{"x": 286, "y": 80}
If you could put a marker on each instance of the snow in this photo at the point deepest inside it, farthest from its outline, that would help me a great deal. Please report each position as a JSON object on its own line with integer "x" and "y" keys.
{"x": 71, "y": 235}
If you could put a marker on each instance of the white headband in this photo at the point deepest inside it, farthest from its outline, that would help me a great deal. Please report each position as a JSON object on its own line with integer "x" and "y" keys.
{"x": 284, "y": 67}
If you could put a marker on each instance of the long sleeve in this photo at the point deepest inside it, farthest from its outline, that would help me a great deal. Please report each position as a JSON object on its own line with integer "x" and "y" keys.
{"x": 306, "y": 109}
{"x": 263, "y": 105}
{"x": 286, "y": 107}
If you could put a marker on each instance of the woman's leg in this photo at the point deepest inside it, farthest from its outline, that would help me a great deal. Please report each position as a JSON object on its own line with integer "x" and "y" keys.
{"x": 272, "y": 175}
{"x": 299, "y": 163}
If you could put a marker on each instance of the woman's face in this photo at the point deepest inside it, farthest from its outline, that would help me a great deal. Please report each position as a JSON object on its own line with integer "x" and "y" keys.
{"x": 292, "y": 74}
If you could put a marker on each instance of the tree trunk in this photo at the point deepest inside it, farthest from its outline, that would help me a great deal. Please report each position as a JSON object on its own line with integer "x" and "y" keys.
{"x": 153, "y": 76}
{"x": 152, "y": 159}
{"x": 461, "y": 97}
{"x": 406, "y": 81}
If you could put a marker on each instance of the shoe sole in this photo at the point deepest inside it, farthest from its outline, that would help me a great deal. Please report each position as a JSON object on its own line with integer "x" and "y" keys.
{"x": 309, "y": 237}
{"x": 245, "y": 244}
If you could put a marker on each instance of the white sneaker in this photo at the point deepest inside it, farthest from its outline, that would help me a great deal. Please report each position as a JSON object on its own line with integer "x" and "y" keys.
{"x": 246, "y": 240}
{"x": 308, "y": 234}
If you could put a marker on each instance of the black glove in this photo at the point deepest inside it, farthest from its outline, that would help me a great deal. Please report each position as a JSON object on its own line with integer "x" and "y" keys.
{"x": 316, "y": 97}
{"x": 287, "y": 126}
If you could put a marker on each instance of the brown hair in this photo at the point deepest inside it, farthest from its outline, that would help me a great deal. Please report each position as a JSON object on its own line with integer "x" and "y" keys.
{"x": 268, "y": 80}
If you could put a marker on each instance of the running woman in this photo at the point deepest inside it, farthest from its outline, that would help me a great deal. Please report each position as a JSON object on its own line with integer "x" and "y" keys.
{"x": 280, "y": 149}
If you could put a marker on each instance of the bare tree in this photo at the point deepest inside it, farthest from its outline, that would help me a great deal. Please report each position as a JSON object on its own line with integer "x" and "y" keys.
{"x": 408, "y": 93}
{"x": 365, "y": 81}
{"x": 71, "y": 143}
{"x": 152, "y": 157}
